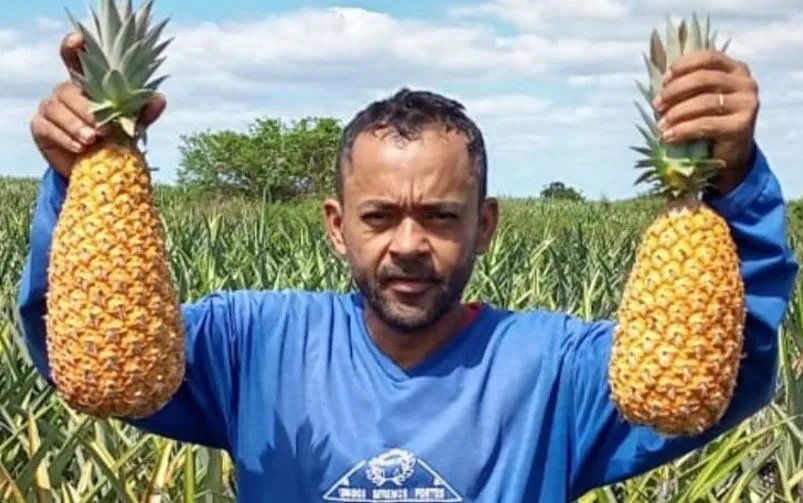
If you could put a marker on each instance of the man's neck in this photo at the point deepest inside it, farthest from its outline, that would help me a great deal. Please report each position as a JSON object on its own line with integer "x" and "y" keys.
{"x": 407, "y": 349}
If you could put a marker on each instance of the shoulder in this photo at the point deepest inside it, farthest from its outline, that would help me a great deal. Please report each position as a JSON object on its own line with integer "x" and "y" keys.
{"x": 272, "y": 301}
{"x": 247, "y": 310}
{"x": 550, "y": 333}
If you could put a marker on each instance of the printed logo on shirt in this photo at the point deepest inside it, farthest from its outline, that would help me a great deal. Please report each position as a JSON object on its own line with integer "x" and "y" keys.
{"x": 394, "y": 476}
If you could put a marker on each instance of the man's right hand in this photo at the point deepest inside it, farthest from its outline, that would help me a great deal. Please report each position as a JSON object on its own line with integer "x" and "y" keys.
{"x": 63, "y": 127}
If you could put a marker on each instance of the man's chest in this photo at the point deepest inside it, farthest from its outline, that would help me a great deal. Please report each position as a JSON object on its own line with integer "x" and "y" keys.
{"x": 356, "y": 460}
{"x": 355, "y": 439}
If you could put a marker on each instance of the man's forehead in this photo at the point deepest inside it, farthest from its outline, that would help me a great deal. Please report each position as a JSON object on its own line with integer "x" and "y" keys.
{"x": 429, "y": 137}
{"x": 432, "y": 165}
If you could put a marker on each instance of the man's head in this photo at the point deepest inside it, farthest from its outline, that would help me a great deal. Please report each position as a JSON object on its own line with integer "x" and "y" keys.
{"x": 411, "y": 212}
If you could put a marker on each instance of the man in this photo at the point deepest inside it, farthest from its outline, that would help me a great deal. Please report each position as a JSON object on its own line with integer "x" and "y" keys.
{"x": 400, "y": 392}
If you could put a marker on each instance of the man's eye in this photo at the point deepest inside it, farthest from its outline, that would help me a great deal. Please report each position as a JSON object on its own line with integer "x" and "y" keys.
{"x": 375, "y": 216}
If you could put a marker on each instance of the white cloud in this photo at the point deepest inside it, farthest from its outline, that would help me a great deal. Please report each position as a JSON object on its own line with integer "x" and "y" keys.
{"x": 507, "y": 106}
{"x": 16, "y": 114}
{"x": 541, "y": 13}
{"x": 559, "y": 86}
{"x": 48, "y": 24}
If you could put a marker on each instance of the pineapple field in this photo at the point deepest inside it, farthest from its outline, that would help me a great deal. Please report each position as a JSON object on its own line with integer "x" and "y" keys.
{"x": 560, "y": 255}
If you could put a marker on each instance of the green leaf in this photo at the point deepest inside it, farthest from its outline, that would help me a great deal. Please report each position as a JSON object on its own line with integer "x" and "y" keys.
{"x": 128, "y": 125}
{"x": 9, "y": 486}
{"x": 683, "y": 169}
{"x": 124, "y": 9}
{"x": 651, "y": 141}
{"x": 97, "y": 107}
{"x": 695, "y": 40}
{"x": 91, "y": 88}
{"x": 91, "y": 44}
{"x": 647, "y": 176}
{"x": 655, "y": 74}
{"x": 143, "y": 19}
{"x": 643, "y": 151}
{"x": 115, "y": 86}
{"x": 110, "y": 21}
{"x": 94, "y": 71}
{"x": 645, "y": 92}
{"x": 154, "y": 33}
{"x": 647, "y": 119}
{"x": 154, "y": 84}
{"x": 104, "y": 117}
{"x": 131, "y": 58}
{"x": 672, "y": 42}
{"x": 657, "y": 53}
{"x": 123, "y": 40}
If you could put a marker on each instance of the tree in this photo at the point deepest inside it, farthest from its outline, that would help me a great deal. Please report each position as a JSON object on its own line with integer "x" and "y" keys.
{"x": 559, "y": 190}
{"x": 271, "y": 158}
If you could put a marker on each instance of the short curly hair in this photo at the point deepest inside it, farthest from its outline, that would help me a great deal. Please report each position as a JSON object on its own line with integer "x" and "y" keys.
{"x": 408, "y": 112}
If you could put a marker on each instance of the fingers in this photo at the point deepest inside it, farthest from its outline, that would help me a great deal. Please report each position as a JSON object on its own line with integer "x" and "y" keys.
{"x": 73, "y": 98}
{"x": 686, "y": 86}
{"x": 49, "y": 136}
{"x": 58, "y": 114}
{"x": 707, "y": 127}
{"x": 63, "y": 122}
{"x": 70, "y": 45}
{"x": 697, "y": 106}
{"x": 153, "y": 110}
{"x": 708, "y": 59}
{"x": 689, "y": 103}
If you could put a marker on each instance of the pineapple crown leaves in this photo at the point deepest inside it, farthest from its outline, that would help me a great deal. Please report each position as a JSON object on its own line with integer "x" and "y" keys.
{"x": 675, "y": 170}
{"x": 118, "y": 62}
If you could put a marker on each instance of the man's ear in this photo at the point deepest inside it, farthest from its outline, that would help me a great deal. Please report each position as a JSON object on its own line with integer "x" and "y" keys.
{"x": 489, "y": 218}
{"x": 333, "y": 218}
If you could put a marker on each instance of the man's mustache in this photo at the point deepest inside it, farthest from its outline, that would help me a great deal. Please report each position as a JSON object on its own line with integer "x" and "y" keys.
{"x": 412, "y": 270}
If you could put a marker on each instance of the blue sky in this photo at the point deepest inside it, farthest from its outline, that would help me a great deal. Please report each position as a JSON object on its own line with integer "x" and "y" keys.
{"x": 550, "y": 83}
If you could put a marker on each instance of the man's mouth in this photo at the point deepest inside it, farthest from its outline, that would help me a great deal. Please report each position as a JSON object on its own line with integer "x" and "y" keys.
{"x": 409, "y": 284}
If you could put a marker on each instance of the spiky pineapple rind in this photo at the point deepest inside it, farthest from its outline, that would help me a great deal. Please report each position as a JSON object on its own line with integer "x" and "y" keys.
{"x": 115, "y": 335}
{"x": 679, "y": 339}
{"x": 118, "y": 62}
{"x": 674, "y": 170}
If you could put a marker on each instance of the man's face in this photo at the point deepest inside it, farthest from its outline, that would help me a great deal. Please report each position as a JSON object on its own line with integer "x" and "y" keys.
{"x": 410, "y": 225}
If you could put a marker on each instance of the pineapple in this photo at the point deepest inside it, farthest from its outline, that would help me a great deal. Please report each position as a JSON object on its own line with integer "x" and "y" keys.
{"x": 115, "y": 332}
{"x": 679, "y": 337}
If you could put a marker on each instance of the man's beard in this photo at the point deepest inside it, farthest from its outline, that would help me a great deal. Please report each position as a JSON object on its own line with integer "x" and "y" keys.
{"x": 431, "y": 306}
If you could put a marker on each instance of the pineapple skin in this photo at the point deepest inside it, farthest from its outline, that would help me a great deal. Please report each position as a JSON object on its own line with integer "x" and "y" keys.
{"x": 115, "y": 331}
{"x": 679, "y": 337}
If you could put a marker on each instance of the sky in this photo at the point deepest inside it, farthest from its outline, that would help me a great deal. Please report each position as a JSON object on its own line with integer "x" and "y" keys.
{"x": 550, "y": 83}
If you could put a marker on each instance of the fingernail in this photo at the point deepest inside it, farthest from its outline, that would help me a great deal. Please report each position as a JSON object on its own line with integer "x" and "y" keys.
{"x": 668, "y": 135}
{"x": 658, "y": 103}
{"x": 667, "y": 76}
{"x": 77, "y": 147}
{"x": 86, "y": 134}
{"x": 73, "y": 39}
{"x": 662, "y": 124}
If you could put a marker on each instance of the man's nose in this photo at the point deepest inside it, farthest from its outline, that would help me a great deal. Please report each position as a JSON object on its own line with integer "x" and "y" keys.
{"x": 409, "y": 238}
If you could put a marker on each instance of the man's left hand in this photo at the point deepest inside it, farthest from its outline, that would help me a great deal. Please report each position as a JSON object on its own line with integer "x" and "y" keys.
{"x": 709, "y": 95}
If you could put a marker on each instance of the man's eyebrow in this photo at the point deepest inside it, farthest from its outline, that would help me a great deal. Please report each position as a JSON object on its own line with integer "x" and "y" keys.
{"x": 445, "y": 205}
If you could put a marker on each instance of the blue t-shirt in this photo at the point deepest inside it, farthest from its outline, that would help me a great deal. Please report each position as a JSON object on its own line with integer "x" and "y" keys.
{"x": 515, "y": 408}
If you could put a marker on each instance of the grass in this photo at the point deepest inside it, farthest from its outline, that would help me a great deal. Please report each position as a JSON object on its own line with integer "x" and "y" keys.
{"x": 559, "y": 255}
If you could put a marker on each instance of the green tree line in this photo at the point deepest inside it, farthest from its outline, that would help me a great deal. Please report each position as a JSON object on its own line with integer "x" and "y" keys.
{"x": 278, "y": 160}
